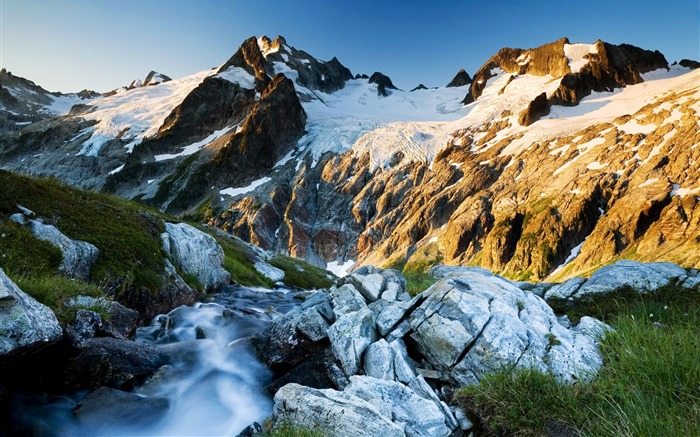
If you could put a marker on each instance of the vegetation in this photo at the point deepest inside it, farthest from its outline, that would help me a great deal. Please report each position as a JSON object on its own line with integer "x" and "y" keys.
{"x": 287, "y": 430}
{"x": 649, "y": 384}
{"x": 301, "y": 274}
{"x": 415, "y": 269}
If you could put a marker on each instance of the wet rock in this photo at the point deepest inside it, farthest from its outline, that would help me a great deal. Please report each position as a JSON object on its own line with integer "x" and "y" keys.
{"x": 337, "y": 413}
{"x": 108, "y": 408}
{"x": 121, "y": 322}
{"x": 297, "y": 335}
{"x": 321, "y": 370}
{"x": 84, "y": 327}
{"x": 26, "y": 326}
{"x": 196, "y": 253}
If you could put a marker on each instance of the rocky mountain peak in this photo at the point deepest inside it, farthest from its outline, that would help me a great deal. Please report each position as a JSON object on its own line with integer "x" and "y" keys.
{"x": 154, "y": 78}
{"x": 383, "y": 83}
{"x": 462, "y": 78}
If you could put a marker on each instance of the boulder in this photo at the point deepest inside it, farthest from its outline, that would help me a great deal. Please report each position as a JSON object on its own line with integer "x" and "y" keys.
{"x": 294, "y": 337}
{"x": 350, "y": 336}
{"x": 121, "y": 321}
{"x": 269, "y": 271}
{"x": 336, "y": 413}
{"x": 379, "y": 361}
{"x": 346, "y": 299}
{"x": 417, "y": 415}
{"x": 25, "y": 325}
{"x": 643, "y": 277}
{"x": 566, "y": 289}
{"x": 370, "y": 285}
{"x": 196, "y": 253}
{"x": 320, "y": 370}
{"x": 472, "y": 323}
{"x": 78, "y": 256}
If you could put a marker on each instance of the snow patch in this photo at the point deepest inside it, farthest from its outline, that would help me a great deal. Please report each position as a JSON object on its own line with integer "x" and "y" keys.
{"x": 648, "y": 182}
{"x": 195, "y": 147}
{"x": 242, "y": 190}
{"x": 595, "y": 165}
{"x": 117, "y": 170}
{"x": 238, "y": 75}
{"x": 340, "y": 269}
{"x": 576, "y": 54}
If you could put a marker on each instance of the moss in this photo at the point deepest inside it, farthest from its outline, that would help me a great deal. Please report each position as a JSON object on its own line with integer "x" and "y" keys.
{"x": 55, "y": 291}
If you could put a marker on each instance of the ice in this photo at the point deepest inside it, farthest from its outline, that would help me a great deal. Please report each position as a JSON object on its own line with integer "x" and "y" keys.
{"x": 238, "y": 75}
{"x": 596, "y": 166}
{"x": 242, "y": 190}
{"x": 681, "y": 192}
{"x": 196, "y": 147}
{"x": 648, "y": 182}
{"x": 117, "y": 170}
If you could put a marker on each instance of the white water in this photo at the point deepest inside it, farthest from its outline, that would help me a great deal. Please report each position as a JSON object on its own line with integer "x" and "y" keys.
{"x": 214, "y": 386}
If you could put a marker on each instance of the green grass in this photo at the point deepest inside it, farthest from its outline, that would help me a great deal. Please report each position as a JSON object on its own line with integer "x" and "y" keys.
{"x": 55, "y": 291}
{"x": 288, "y": 430}
{"x": 649, "y": 384}
{"x": 238, "y": 262}
{"x": 127, "y": 236}
{"x": 298, "y": 273}
{"x": 418, "y": 282}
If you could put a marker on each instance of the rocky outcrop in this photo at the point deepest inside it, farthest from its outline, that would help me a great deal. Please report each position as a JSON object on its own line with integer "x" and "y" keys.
{"x": 419, "y": 87}
{"x": 196, "y": 253}
{"x": 689, "y": 63}
{"x": 536, "y": 109}
{"x": 397, "y": 355}
{"x": 26, "y": 326}
{"x": 462, "y": 78}
{"x": 106, "y": 408}
{"x": 642, "y": 277}
{"x": 383, "y": 83}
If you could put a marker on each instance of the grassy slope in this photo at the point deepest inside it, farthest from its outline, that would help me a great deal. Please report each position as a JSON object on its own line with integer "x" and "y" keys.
{"x": 649, "y": 384}
{"x": 127, "y": 234}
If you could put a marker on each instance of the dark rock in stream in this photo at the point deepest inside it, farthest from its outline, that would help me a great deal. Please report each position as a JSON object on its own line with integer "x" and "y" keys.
{"x": 110, "y": 407}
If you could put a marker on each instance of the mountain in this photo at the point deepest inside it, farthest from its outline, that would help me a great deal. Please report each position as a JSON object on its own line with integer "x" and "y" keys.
{"x": 575, "y": 154}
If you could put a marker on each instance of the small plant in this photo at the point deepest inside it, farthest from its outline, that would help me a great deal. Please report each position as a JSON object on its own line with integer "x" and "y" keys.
{"x": 552, "y": 339}
{"x": 520, "y": 304}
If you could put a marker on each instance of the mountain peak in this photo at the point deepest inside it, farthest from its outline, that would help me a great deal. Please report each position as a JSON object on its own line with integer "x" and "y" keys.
{"x": 462, "y": 78}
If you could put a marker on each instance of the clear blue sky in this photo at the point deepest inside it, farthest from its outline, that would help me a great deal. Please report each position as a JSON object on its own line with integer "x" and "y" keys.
{"x": 68, "y": 45}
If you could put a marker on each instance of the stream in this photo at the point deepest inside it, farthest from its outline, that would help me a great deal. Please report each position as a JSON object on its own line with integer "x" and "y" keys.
{"x": 213, "y": 385}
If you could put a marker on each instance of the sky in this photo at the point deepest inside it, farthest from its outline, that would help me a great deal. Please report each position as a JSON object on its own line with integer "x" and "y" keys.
{"x": 70, "y": 45}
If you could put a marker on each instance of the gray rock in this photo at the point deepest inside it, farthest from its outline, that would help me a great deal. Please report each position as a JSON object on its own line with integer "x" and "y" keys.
{"x": 84, "y": 327}
{"x": 424, "y": 390}
{"x": 379, "y": 361}
{"x": 350, "y": 336}
{"x": 643, "y": 277}
{"x": 418, "y": 416}
{"x": 404, "y": 367}
{"x": 121, "y": 322}
{"x": 25, "y": 324}
{"x": 392, "y": 291}
{"x": 336, "y": 413}
{"x": 691, "y": 282}
{"x": 196, "y": 253}
{"x": 566, "y": 289}
{"x": 269, "y": 271}
{"x": 346, "y": 299}
{"x": 295, "y": 336}
{"x": 370, "y": 286}
{"x": 464, "y": 423}
{"x": 19, "y": 219}
{"x": 472, "y": 323}
{"x": 392, "y": 314}
{"x": 78, "y": 256}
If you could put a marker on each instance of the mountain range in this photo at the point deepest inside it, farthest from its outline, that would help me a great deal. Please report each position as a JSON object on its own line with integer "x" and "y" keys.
{"x": 546, "y": 163}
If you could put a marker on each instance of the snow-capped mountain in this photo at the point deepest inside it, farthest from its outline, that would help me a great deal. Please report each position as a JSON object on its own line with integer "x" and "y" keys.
{"x": 573, "y": 154}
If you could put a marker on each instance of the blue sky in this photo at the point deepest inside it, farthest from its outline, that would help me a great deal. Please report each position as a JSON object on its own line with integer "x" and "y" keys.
{"x": 68, "y": 45}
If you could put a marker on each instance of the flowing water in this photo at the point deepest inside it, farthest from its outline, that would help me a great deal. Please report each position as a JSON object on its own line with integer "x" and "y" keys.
{"x": 212, "y": 385}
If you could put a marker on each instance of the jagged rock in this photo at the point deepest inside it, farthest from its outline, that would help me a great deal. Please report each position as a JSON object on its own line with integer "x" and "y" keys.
{"x": 300, "y": 333}
{"x": 383, "y": 83}
{"x": 642, "y": 277}
{"x": 196, "y": 253}
{"x": 379, "y": 361}
{"x": 346, "y": 299}
{"x": 337, "y": 413}
{"x": 361, "y": 76}
{"x": 26, "y": 326}
{"x": 121, "y": 322}
{"x": 418, "y": 416}
{"x": 106, "y": 408}
{"x": 689, "y": 63}
{"x": 534, "y": 111}
{"x": 350, "y": 335}
{"x": 84, "y": 327}
{"x": 78, "y": 256}
{"x": 404, "y": 366}
{"x": 370, "y": 285}
{"x": 252, "y": 430}
{"x": 320, "y": 370}
{"x": 112, "y": 362}
{"x": 419, "y": 87}
{"x": 472, "y": 324}
{"x": 461, "y": 79}
{"x": 154, "y": 78}
{"x": 424, "y": 390}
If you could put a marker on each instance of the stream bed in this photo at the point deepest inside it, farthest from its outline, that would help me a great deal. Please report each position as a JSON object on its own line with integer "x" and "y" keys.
{"x": 213, "y": 383}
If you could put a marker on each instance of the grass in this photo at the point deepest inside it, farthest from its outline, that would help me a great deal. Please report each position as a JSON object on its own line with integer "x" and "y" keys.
{"x": 55, "y": 291}
{"x": 649, "y": 384}
{"x": 298, "y": 273}
{"x": 418, "y": 282}
{"x": 127, "y": 236}
{"x": 416, "y": 268}
{"x": 288, "y": 430}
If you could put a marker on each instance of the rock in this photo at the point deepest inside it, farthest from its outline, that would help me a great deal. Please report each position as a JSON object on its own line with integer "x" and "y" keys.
{"x": 537, "y": 108}
{"x": 566, "y": 289}
{"x": 107, "y": 408}
{"x": 392, "y": 314}
{"x": 691, "y": 282}
{"x": 419, "y": 87}
{"x": 321, "y": 370}
{"x": 78, "y": 256}
{"x": 110, "y": 361}
{"x": 418, "y": 416}
{"x": 379, "y": 361}
{"x": 350, "y": 336}
{"x": 336, "y": 413}
{"x": 26, "y": 326}
{"x": 383, "y": 83}
{"x": 196, "y": 253}
{"x": 122, "y": 321}
{"x": 643, "y": 277}
{"x": 472, "y": 323}
{"x": 370, "y": 285}
{"x": 424, "y": 390}
{"x": 404, "y": 367}
{"x": 84, "y": 327}
{"x": 252, "y": 430}
{"x": 461, "y": 79}
{"x": 269, "y": 271}
{"x": 300, "y": 333}
{"x": 346, "y": 299}
{"x": 689, "y": 63}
